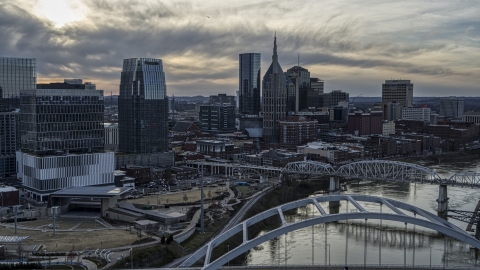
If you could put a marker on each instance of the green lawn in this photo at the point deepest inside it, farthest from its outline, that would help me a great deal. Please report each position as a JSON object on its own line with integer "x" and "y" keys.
{"x": 245, "y": 190}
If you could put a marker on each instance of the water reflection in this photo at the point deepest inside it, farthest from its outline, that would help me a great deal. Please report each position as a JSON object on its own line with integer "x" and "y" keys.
{"x": 345, "y": 242}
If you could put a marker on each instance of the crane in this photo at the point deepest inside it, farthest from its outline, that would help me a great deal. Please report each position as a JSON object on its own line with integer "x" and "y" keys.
{"x": 356, "y": 97}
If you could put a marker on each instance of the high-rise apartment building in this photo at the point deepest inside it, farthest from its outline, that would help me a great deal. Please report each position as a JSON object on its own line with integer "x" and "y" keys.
{"x": 249, "y": 83}
{"x": 16, "y": 74}
{"x": 274, "y": 98}
{"x": 452, "y": 107}
{"x": 399, "y": 91}
{"x": 143, "y": 107}
{"x": 217, "y": 118}
{"x": 62, "y": 141}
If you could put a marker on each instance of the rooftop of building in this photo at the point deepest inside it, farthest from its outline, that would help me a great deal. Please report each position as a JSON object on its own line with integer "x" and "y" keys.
{"x": 110, "y": 125}
{"x": 4, "y": 188}
{"x": 471, "y": 113}
{"x": 91, "y": 192}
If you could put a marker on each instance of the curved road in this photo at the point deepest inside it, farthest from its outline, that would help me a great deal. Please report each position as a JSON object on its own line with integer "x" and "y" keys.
{"x": 234, "y": 221}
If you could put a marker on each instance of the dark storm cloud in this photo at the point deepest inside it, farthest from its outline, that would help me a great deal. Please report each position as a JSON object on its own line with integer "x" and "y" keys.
{"x": 202, "y": 53}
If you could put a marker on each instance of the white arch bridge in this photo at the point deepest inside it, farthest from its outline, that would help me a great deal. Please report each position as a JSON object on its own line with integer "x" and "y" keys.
{"x": 402, "y": 212}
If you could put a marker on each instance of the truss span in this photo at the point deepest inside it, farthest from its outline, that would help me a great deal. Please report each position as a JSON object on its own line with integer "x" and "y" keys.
{"x": 308, "y": 167}
{"x": 421, "y": 218}
{"x": 390, "y": 170}
{"x": 469, "y": 179}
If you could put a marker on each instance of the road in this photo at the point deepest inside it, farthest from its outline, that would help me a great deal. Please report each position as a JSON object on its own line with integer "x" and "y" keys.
{"x": 234, "y": 221}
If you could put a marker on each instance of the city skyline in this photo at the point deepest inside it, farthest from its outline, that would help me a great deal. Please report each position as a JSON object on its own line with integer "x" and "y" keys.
{"x": 353, "y": 46}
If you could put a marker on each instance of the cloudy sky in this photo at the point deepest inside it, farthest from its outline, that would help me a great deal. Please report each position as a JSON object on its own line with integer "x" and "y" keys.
{"x": 354, "y": 45}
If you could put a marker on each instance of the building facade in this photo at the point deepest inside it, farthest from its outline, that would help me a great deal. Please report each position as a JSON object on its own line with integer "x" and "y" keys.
{"x": 111, "y": 136}
{"x": 296, "y": 131}
{"x": 388, "y": 128}
{"x": 9, "y": 143}
{"x": 473, "y": 117}
{"x": 43, "y": 175}
{"x": 274, "y": 98}
{"x": 249, "y": 83}
{"x": 217, "y": 118}
{"x": 55, "y": 119}
{"x": 223, "y": 99}
{"x": 333, "y": 98}
{"x": 361, "y": 124}
{"x": 452, "y": 107}
{"x": 143, "y": 107}
{"x": 63, "y": 139}
{"x": 400, "y": 91}
{"x": 16, "y": 74}
{"x": 416, "y": 113}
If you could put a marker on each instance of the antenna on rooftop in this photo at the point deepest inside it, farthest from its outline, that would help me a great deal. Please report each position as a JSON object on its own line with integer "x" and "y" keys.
{"x": 298, "y": 59}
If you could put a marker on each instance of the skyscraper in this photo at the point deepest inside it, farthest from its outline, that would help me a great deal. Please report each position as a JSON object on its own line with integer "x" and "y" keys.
{"x": 249, "y": 83}
{"x": 63, "y": 138}
{"x": 274, "y": 98}
{"x": 452, "y": 107}
{"x": 399, "y": 91}
{"x": 298, "y": 82}
{"x": 143, "y": 107}
{"x": 9, "y": 142}
{"x": 16, "y": 74}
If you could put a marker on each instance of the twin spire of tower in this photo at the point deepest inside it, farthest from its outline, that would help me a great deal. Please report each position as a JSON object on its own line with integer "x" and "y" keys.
{"x": 275, "y": 55}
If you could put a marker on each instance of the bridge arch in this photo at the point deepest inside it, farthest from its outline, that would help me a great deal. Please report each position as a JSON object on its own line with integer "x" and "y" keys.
{"x": 429, "y": 221}
{"x": 308, "y": 167}
{"x": 390, "y": 170}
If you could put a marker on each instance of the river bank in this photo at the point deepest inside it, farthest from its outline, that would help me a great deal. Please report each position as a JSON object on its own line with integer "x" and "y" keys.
{"x": 449, "y": 157}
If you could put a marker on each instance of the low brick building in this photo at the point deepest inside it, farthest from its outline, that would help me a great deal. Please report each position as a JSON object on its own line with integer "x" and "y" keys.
{"x": 9, "y": 196}
{"x": 297, "y": 130}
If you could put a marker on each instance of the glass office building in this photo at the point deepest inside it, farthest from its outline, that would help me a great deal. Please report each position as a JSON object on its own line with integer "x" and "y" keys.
{"x": 249, "y": 83}
{"x": 16, "y": 74}
{"x": 62, "y": 139}
{"x": 62, "y": 117}
{"x": 143, "y": 107}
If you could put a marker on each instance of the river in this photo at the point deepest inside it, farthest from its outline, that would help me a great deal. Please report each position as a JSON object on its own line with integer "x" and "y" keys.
{"x": 423, "y": 245}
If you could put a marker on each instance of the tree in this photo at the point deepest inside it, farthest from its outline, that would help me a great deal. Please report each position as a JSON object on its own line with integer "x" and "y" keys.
{"x": 185, "y": 198}
{"x": 162, "y": 240}
{"x": 168, "y": 175}
{"x": 170, "y": 239}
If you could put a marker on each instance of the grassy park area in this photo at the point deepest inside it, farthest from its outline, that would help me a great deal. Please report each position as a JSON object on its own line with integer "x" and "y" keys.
{"x": 64, "y": 241}
{"x": 177, "y": 197}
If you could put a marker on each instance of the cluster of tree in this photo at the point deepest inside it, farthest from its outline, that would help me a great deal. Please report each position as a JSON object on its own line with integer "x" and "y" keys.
{"x": 12, "y": 266}
{"x": 166, "y": 240}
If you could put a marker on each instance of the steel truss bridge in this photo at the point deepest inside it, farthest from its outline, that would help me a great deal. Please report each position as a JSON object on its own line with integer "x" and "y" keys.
{"x": 384, "y": 170}
{"x": 403, "y": 212}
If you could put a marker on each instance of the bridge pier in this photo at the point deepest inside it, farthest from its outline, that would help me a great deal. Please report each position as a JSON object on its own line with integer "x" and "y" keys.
{"x": 334, "y": 189}
{"x": 442, "y": 200}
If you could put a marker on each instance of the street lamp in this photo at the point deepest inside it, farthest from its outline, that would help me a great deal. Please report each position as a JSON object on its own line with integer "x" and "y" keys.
{"x": 430, "y": 256}
{"x": 329, "y": 250}
{"x": 45, "y": 258}
{"x": 228, "y": 250}
{"x": 131, "y": 256}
